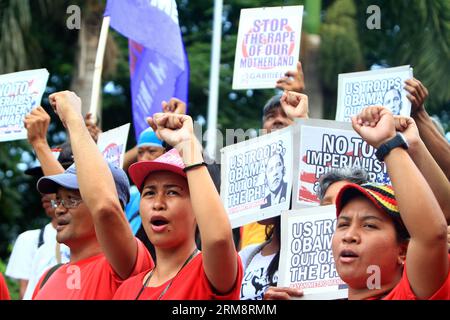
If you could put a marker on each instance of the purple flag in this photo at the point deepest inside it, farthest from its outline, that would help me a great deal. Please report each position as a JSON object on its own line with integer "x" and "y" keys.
{"x": 159, "y": 67}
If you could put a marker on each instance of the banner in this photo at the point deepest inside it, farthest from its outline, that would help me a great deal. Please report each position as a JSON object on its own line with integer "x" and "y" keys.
{"x": 325, "y": 145}
{"x": 113, "y": 143}
{"x": 20, "y": 92}
{"x": 268, "y": 45}
{"x": 256, "y": 177}
{"x": 383, "y": 87}
{"x": 306, "y": 257}
{"x": 159, "y": 67}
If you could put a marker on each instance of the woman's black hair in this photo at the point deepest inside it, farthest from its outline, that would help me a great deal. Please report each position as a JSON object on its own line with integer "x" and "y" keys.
{"x": 273, "y": 230}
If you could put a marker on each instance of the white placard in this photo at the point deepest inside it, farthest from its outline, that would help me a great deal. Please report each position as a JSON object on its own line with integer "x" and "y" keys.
{"x": 112, "y": 144}
{"x": 20, "y": 92}
{"x": 268, "y": 46}
{"x": 325, "y": 145}
{"x": 256, "y": 177}
{"x": 306, "y": 258}
{"x": 383, "y": 87}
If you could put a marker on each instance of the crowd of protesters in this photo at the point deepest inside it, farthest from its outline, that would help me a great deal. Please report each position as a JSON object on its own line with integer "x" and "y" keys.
{"x": 168, "y": 235}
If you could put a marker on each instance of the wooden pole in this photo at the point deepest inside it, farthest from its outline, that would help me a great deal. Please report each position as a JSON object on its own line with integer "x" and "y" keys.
{"x": 97, "y": 78}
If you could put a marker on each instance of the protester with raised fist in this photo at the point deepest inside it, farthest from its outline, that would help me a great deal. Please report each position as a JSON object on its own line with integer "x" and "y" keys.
{"x": 90, "y": 220}
{"x": 260, "y": 260}
{"x": 177, "y": 197}
{"x": 329, "y": 185}
{"x": 390, "y": 243}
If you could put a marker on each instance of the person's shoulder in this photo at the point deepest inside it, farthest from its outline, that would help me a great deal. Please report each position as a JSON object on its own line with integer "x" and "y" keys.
{"x": 247, "y": 251}
{"x": 29, "y": 234}
{"x": 28, "y": 237}
{"x": 249, "y": 248}
{"x": 130, "y": 287}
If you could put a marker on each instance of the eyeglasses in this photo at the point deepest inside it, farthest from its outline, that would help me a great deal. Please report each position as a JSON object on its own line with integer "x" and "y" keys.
{"x": 67, "y": 203}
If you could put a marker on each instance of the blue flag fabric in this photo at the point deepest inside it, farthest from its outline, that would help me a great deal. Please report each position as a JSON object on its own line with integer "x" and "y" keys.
{"x": 159, "y": 67}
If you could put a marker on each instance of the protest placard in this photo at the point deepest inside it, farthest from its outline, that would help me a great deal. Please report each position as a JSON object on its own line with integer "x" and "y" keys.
{"x": 268, "y": 45}
{"x": 306, "y": 257}
{"x": 257, "y": 177}
{"x": 325, "y": 145}
{"x": 112, "y": 144}
{"x": 20, "y": 92}
{"x": 383, "y": 87}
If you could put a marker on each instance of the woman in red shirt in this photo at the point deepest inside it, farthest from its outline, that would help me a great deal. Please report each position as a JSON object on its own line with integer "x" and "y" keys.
{"x": 177, "y": 197}
{"x": 390, "y": 246}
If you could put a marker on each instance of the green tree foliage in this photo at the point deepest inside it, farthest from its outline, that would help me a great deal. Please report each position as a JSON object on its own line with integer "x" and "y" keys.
{"x": 415, "y": 32}
{"x": 237, "y": 109}
{"x": 340, "y": 50}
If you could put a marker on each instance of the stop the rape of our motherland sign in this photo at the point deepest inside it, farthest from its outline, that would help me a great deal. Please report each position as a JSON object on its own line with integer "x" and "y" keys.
{"x": 20, "y": 92}
{"x": 268, "y": 46}
{"x": 383, "y": 87}
{"x": 257, "y": 177}
{"x": 306, "y": 257}
{"x": 321, "y": 146}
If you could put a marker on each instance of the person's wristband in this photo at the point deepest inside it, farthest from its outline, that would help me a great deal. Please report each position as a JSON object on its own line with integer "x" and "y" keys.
{"x": 193, "y": 166}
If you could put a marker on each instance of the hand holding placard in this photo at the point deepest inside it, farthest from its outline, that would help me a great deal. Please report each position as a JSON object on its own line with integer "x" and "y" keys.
{"x": 417, "y": 95}
{"x": 293, "y": 80}
{"x": 282, "y": 293}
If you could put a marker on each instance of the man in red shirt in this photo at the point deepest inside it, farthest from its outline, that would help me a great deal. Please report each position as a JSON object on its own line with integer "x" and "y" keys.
{"x": 90, "y": 219}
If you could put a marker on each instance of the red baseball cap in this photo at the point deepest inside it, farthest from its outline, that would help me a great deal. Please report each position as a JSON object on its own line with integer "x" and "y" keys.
{"x": 169, "y": 161}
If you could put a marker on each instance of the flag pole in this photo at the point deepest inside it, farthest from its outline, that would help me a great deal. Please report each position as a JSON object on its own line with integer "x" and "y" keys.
{"x": 97, "y": 78}
{"x": 214, "y": 80}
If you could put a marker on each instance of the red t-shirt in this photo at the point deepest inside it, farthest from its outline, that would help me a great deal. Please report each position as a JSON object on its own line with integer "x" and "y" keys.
{"x": 4, "y": 293}
{"x": 89, "y": 279}
{"x": 190, "y": 284}
{"x": 403, "y": 291}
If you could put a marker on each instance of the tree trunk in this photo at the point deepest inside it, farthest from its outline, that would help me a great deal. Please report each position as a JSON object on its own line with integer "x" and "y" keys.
{"x": 85, "y": 59}
{"x": 313, "y": 87}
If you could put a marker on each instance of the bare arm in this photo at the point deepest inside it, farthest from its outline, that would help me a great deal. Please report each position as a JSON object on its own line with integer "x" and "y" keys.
{"x": 130, "y": 158}
{"x": 219, "y": 253}
{"x": 427, "y": 258}
{"x": 23, "y": 284}
{"x": 97, "y": 187}
{"x": 433, "y": 139}
{"x": 431, "y": 171}
{"x": 36, "y": 123}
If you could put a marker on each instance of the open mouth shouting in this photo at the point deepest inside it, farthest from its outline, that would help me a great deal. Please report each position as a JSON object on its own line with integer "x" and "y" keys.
{"x": 348, "y": 256}
{"x": 159, "y": 223}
